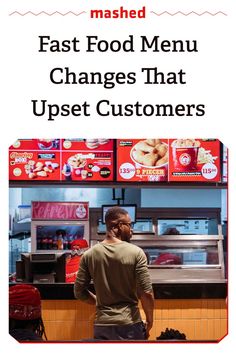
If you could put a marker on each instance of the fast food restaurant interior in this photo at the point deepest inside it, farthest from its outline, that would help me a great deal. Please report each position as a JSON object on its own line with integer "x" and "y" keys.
{"x": 180, "y": 224}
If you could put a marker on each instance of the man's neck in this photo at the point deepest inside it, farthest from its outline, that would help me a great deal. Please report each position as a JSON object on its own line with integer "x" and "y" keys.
{"x": 111, "y": 238}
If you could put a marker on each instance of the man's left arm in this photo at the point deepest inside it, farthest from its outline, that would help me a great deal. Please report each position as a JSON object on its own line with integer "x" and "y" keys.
{"x": 145, "y": 290}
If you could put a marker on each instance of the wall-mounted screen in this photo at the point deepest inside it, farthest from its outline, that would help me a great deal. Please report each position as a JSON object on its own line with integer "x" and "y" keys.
{"x": 130, "y": 208}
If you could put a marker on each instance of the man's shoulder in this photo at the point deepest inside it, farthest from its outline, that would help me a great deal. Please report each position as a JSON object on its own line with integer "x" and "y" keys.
{"x": 99, "y": 247}
{"x": 92, "y": 249}
{"x": 132, "y": 247}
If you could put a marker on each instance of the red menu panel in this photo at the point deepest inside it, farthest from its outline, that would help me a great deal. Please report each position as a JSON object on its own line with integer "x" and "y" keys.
{"x": 142, "y": 160}
{"x": 62, "y": 159}
{"x": 60, "y": 210}
{"x": 194, "y": 160}
{"x": 36, "y": 144}
{"x": 34, "y": 165}
{"x": 87, "y": 165}
{"x": 87, "y": 144}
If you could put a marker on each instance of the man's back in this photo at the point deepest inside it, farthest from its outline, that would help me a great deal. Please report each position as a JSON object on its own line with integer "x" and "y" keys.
{"x": 117, "y": 269}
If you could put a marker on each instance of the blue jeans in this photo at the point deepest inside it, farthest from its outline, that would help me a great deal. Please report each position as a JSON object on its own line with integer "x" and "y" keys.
{"x": 127, "y": 332}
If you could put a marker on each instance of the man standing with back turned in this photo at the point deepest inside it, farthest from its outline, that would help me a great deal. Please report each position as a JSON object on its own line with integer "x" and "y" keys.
{"x": 119, "y": 273}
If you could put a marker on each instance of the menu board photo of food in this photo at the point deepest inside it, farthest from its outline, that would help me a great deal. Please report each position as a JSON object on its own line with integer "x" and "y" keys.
{"x": 137, "y": 160}
{"x": 142, "y": 160}
{"x": 87, "y": 159}
{"x": 87, "y": 166}
{"x": 34, "y": 165}
{"x": 196, "y": 160}
{"x": 61, "y": 160}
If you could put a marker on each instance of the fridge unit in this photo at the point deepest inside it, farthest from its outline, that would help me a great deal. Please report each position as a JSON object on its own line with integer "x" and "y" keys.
{"x": 55, "y": 225}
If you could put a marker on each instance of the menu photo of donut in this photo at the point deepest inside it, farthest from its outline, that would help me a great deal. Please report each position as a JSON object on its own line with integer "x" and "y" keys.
{"x": 142, "y": 160}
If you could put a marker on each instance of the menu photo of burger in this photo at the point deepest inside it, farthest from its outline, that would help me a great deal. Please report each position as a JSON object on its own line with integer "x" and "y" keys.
{"x": 87, "y": 144}
{"x": 95, "y": 143}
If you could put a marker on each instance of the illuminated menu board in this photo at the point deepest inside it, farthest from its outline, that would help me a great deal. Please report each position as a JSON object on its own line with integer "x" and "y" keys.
{"x": 137, "y": 160}
{"x": 174, "y": 160}
{"x": 61, "y": 160}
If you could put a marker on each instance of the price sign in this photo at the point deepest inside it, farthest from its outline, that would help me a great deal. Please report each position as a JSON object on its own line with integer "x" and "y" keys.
{"x": 127, "y": 170}
{"x": 209, "y": 171}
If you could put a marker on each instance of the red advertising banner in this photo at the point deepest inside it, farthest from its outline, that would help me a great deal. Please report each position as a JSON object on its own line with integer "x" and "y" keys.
{"x": 34, "y": 165}
{"x": 138, "y": 160}
{"x": 60, "y": 211}
{"x": 142, "y": 160}
{"x": 61, "y": 160}
{"x": 194, "y": 160}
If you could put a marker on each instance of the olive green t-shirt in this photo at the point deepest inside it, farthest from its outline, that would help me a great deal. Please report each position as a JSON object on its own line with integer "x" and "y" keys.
{"x": 117, "y": 271}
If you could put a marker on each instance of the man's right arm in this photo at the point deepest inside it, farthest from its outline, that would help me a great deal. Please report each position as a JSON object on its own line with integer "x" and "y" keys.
{"x": 81, "y": 285}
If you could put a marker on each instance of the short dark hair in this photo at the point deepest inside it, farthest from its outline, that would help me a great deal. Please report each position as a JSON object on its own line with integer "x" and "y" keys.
{"x": 113, "y": 214}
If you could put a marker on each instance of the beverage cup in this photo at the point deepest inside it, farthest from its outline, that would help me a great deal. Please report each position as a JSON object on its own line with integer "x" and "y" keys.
{"x": 45, "y": 144}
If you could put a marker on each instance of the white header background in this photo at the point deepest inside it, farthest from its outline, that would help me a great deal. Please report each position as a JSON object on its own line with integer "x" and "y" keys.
{"x": 210, "y": 76}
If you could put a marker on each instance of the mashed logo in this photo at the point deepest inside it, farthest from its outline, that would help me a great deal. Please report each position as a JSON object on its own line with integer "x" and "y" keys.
{"x": 119, "y": 13}
{"x": 81, "y": 211}
{"x": 185, "y": 159}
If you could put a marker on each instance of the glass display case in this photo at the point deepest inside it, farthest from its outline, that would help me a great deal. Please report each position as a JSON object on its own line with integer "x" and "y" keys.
{"x": 186, "y": 259}
{"x": 200, "y": 226}
{"x": 182, "y": 245}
